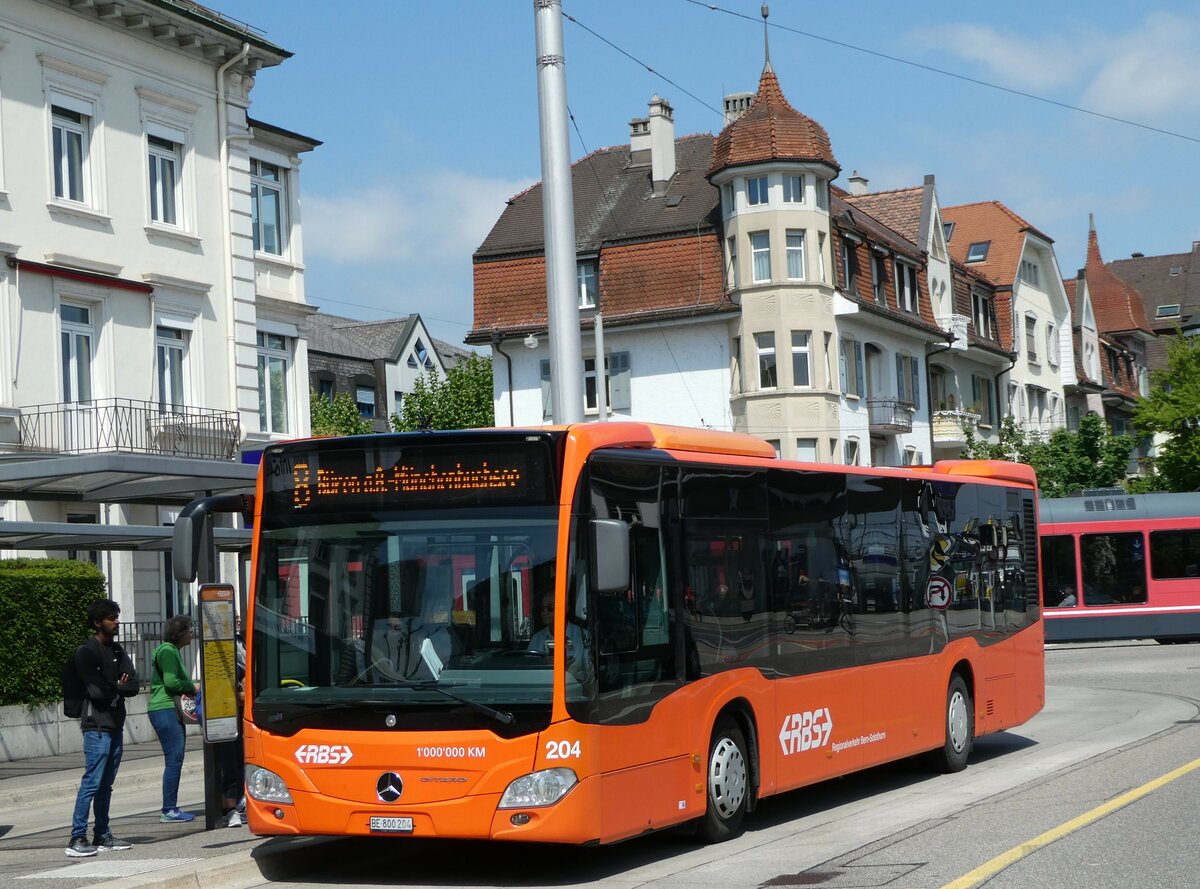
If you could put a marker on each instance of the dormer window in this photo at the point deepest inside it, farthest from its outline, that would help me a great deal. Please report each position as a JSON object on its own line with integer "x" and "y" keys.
{"x": 1030, "y": 273}
{"x": 1168, "y": 311}
{"x": 978, "y": 252}
{"x": 947, "y": 231}
{"x": 585, "y": 276}
{"x": 756, "y": 191}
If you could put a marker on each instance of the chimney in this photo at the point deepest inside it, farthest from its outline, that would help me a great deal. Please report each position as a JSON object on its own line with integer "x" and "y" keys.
{"x": 1137, "y": 254}
{"x": 858, "y": 183}
{"x": 662, "y": 143}
{"x": 737, "y": 104}
{"x": 639, "y": 142}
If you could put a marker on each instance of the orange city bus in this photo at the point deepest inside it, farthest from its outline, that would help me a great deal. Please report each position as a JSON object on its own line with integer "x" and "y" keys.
{"x": 582, "y": 634}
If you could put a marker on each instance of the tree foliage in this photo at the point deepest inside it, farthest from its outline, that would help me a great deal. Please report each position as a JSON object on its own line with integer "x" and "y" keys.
{"x": 1172, "y": 409}
{"x": 1066, "y": 462}
{"x": 463, "y": 400}
{"x": 338, "y": 416}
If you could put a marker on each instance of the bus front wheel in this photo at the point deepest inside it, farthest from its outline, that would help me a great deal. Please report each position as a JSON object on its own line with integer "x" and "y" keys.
{"x": 960, "y": 729}
{"x": 728, "y": 783}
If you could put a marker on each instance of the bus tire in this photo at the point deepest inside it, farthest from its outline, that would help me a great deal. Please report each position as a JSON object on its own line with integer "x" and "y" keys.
{"x": 728, "y": 783}
{"x": 959, "y": 724}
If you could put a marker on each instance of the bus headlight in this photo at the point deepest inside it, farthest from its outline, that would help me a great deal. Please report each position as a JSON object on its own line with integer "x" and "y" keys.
{"x": 265, "y": 786}
{"x": 543, "y": 788}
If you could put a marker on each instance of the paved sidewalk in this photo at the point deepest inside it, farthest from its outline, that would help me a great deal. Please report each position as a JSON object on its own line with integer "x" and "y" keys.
{"x": 36, "y": 800}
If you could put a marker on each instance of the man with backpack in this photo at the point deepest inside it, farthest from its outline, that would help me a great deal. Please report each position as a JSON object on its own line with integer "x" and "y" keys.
{"x": 104, "y": 677}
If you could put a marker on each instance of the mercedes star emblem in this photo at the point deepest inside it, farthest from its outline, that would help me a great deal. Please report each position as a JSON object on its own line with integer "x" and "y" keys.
{"x": 389, "y": 787}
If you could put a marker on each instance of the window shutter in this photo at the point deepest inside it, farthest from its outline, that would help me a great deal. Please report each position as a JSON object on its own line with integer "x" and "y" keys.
{"x": 916, "y": 384}
{"x": 547, "y": 401}
{"x": 901, "y": 383}
{"x": 859, "y": 377}
{"x": 619, "y": 381}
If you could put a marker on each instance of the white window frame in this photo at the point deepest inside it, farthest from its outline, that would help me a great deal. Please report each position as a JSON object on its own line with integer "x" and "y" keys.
{"x": 758, "y": 191}
{"x": 1030, "y": 273}
{"x": 260, "y": 184}
{"x": 730, "y": 204}
{"x": 171, "y": 119}
{"x": 1051, "y": 344}
{"x": 731, "y": 241}
{"x": 587, "y": 272}
{"x": 273, "y": 348}
{"x": 735, "y": 365}
{"x": 63, "y": 171}
{"x": 774, "y": 442}
{"x": 851, "y": 451}
{"x": 795, "y": 254}
{"x": 361, "y": 390}
{"x": 172, "y": 345}
{"x": 802, "y": 358}
{"x": 1031, "y": 340}
{"x": 165, "y": 162}
{"x": 982, "y": 308}
{"x": 806, "y": 450}
{"x": 766, "y": 360}
{"x": 77, "y": 89}
{"x": 760, "y": 254}
{"x": 73, "y": 377}
{"x": 821, "y": 258}
{"x": 978, "y": 251}
{"x": 793, "y": 189}
{"x": 907, "y": 287}
{"x": 879, "y": 277}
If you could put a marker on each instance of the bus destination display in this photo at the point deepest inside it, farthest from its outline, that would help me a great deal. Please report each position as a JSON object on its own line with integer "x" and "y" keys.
{"x": 330, "y": 480}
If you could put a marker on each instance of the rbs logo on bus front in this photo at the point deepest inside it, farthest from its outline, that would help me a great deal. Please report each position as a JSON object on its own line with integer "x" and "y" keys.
{"x": 324, "y": 754}
{"x": 805, "y": 731}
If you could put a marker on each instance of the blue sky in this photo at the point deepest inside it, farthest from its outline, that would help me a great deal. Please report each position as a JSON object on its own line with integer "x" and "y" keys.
{"x": 428, "y": 114}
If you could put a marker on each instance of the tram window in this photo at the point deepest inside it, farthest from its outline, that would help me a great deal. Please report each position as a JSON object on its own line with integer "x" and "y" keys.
{"x": 1174, "y": 554}
{"x": 1114, "y": 568}
{"x": 1058, "y": 571}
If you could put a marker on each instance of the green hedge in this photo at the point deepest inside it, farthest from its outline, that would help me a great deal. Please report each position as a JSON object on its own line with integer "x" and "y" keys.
{"x": 43, "y": 618}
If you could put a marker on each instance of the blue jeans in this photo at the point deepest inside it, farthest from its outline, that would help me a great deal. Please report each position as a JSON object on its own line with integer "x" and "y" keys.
{"x": 171, "y": 736}
{"x": 101, "y": 759}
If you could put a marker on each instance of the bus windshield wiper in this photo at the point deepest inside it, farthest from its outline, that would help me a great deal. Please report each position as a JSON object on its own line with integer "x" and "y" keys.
{"x": 502, "y": 716}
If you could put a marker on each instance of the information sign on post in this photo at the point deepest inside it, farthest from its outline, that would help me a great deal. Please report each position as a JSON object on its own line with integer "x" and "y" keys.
{"x": 218, "y": 662}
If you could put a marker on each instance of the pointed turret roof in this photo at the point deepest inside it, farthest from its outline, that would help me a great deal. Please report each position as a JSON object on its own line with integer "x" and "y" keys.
{"x": 771, "y": 130}
{"x": 1117, "y": 306}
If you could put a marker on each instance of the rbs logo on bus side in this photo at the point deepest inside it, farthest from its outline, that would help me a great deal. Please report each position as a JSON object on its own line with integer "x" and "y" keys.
{"x": 805, "y": 731}
{"x": 324, "y": 754}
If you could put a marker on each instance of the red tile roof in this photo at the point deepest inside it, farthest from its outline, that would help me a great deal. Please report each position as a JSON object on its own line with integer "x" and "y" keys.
{"x": 900, "y": 209}
{"x": 1117, "y": 306}
{"x": 771, "y": 130}
{"x": 994, "y": 222}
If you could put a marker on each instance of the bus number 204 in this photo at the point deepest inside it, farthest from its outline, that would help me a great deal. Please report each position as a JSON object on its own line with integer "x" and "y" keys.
{"x": 562, "y": 749}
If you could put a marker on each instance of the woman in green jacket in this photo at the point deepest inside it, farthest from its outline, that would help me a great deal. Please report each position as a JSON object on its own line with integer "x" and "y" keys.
{"x": 169, "y": 677}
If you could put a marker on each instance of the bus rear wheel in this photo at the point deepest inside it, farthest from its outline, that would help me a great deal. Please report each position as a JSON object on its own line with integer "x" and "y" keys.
{"x": 960, "y": 729}
{"x": 728, "y": 783}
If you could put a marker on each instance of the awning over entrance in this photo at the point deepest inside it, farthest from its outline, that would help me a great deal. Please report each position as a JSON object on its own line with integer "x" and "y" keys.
{"x": 71, "y": 536}
{"x": 119, "y": 478}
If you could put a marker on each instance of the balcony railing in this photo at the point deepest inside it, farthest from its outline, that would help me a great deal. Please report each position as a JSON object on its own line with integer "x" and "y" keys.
{"x": 889, "y": 415}
{"x": 130, "y": 426}
{"x": 949, "y": 427}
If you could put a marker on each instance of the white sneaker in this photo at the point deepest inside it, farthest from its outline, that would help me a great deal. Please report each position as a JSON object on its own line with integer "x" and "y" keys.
{"x": 235, "y": 819}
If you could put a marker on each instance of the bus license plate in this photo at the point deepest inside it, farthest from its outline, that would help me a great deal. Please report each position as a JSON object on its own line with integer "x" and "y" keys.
{"x": 391, "y": 825}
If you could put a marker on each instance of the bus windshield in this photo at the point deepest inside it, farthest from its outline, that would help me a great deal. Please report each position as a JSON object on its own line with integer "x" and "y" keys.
{"x": 379, "y": 610}
{"x": 390, "y": 587}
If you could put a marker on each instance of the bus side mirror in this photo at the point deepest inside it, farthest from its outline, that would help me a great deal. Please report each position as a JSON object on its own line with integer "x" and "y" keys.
{"x": 185, "y": 549}
{"x": 610, "y": 555}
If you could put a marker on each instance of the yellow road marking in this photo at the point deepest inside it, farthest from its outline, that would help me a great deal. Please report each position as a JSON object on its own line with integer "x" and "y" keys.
{"x": 1004, "y": 859}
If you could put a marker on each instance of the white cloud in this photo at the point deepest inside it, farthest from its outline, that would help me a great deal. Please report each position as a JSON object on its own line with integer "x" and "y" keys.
{"x": 1150, "y": 73}
{"x": 430, "y": 219}
{"x": 1015, "y": 60}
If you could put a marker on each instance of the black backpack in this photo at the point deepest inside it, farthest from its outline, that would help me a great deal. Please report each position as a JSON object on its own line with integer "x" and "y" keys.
{"x": 73, "y": 688}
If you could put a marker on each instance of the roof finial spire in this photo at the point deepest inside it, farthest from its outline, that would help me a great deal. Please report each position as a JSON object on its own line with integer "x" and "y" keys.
{"x": 766, "y": 43}
{"x": 1091, "y": 223}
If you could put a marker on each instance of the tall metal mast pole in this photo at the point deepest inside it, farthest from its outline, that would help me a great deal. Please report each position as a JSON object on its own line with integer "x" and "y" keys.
{"x": 558, "y": 208}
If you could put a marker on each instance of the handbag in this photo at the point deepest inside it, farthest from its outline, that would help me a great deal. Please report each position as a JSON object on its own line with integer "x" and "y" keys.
{"x": 185, "y": 704}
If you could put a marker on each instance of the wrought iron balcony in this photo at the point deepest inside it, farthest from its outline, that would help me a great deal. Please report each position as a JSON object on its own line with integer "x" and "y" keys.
{"x": 889, "y": 415}
{"x": 949, "y": 427}
{"x": 126, "y": 425}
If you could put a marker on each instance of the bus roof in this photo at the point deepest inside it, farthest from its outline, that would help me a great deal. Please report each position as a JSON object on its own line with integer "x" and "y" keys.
{"x": 1119, "y": 507}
